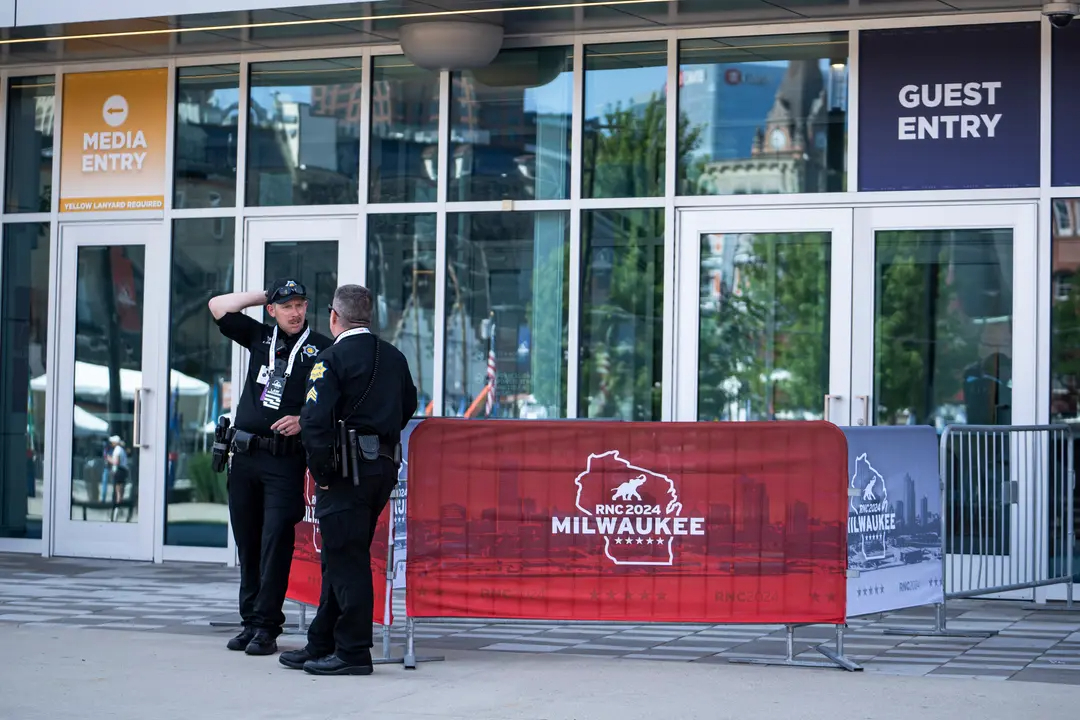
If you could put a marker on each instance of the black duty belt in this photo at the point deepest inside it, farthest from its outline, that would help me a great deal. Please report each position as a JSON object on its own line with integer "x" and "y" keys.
{"x": 285, "y": 445}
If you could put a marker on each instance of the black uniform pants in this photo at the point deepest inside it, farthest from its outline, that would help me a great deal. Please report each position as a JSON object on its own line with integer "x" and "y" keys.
{"x": 266, "y": 501}
{"x": 343, "y": 623}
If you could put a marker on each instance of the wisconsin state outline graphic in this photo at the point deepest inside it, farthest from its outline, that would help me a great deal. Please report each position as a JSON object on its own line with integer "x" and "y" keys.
{"x": 638, "y": 535}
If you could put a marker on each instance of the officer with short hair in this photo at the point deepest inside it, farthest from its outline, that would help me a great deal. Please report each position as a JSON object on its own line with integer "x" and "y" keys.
{"x": 265, "y": 456}
{"x": 360, "y": 397}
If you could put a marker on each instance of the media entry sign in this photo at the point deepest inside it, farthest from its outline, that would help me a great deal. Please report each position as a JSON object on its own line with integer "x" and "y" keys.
{"x": 947, "y": 108}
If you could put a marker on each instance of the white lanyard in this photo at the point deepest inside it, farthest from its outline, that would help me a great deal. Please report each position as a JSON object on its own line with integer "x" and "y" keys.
{"x": 292, "y": 355}
{"x": 350, "y": 333}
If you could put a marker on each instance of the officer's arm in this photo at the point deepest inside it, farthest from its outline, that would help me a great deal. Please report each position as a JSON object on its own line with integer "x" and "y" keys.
{"x": 233, "y": 323}
{"x": 317, "y": 425}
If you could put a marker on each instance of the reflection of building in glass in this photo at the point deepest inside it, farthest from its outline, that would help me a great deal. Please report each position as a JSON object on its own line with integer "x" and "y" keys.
{"x": 206, "y": 144}
{"x": 766, "y": 127}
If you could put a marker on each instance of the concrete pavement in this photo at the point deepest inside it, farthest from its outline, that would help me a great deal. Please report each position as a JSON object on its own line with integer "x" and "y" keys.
{"x": 56, "y": 673}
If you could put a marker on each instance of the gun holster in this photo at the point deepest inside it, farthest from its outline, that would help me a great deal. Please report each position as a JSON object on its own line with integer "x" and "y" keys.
{"x": 223, "y": 434}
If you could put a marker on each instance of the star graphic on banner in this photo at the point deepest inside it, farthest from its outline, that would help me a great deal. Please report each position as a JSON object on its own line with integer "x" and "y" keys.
{"x": 861, "y": 592}
{"x": 423, "y": 592}
{"x": 629, "y": 595}
{"x": 618, "y": 541}
{"x": 832, "y": 597}
{"x": 815, "y": 597}
{"x": 611, "y": 594}
{"x": 640, "y": 541}
{"x": 881, "y": 590}
{"x": 644, "y": 596}
{"x": 594, "y": 595}
{"x": 661, "y": 596}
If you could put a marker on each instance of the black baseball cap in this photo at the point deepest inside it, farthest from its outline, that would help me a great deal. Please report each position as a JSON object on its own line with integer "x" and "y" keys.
{"x": 285, "y": 289}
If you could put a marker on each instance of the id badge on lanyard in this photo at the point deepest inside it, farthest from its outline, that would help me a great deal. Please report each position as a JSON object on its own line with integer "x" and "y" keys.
{"x": 275, "y": 388}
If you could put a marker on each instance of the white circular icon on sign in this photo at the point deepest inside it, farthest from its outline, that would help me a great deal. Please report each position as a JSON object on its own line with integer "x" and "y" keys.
{"x": 115, "y": 111}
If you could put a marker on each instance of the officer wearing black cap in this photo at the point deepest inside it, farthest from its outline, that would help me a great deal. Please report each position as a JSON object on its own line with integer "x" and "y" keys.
{"x": 360, "y": 397}
{"x": 265, "y": 457}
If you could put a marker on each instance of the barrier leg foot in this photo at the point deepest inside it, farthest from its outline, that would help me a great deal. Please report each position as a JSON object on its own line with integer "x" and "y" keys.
{"x": 940, "y": 629}
{"x": 837, "y": 658}
{"x": 411, "y": 658}
{"x": 837, "y": 655}
{"x": 940, "y": 633}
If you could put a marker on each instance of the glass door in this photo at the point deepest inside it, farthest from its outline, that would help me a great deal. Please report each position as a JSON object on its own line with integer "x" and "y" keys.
{"x": 109, "y": 388}
{"x": 320, "y": 253}
{"x": 763, "y": 315}
{"x": 945, "y": 318}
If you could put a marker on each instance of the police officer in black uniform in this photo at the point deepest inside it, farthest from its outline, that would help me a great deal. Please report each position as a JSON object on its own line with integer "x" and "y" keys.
{"x": 266, "y": 458}
{"x": 360, "y": 397}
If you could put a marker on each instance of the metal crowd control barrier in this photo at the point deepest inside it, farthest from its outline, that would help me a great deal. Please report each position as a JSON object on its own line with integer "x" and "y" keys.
{"x": 1007, "y": 513}
{"x": 834, "y": 654}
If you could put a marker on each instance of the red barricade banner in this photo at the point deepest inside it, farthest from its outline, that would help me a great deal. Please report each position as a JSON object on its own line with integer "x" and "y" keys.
{"x": 663, "y": 522}
{"x": 305, "y": 578}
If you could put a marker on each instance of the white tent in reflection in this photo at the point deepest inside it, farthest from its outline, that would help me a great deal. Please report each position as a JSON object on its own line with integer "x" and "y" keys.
{"x": 92, "y": 381}
{"x": 88, "y": 424}
{"x": 191, "y": 396}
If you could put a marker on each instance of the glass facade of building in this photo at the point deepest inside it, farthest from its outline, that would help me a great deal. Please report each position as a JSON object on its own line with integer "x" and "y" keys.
{"x": 537, "y": 236}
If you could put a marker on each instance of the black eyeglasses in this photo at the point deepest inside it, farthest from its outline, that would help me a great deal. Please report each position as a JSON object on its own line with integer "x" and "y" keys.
{"x": 287, "y": 290}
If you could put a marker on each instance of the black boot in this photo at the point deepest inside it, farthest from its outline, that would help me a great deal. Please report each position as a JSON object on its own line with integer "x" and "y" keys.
{"x": 262, "y": 644}
{"x": 295, "y": 659}
{"x": 333, "y": 665}
{"x": 241, "y": 641}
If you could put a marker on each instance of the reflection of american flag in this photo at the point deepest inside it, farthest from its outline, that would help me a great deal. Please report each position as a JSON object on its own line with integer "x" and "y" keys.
{"x": 489, "y": 403}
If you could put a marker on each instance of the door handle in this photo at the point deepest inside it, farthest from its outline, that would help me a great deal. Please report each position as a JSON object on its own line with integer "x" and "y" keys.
{"x": 828, "y": 399}
{"x": 136, "y": 430}
{"x": 865, "y": 419}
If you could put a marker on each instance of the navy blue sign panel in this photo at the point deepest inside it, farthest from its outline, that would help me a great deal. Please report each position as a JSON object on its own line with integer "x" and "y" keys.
{"x": 894, "y": 518}
{"x": 1065, "y": 106}
{"x": 949, "y": 107}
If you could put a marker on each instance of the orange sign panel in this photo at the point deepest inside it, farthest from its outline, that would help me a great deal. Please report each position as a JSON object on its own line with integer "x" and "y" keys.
{"x": 113, "y": 141}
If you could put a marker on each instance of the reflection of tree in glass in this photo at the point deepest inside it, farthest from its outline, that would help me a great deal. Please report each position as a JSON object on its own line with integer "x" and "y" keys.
{"x": 926, "y": 340}
{"x": 764, "y": 327}
{"x": 1065, "y": 355}
{"x": 624, "y": 153}
{"x": 622, "y": 314}
{"x": 623, "y": 264}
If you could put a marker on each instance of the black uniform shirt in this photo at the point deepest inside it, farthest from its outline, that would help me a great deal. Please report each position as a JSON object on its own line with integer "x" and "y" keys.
{"x": 250, "y": 414}
{"x": 337, "y": 381}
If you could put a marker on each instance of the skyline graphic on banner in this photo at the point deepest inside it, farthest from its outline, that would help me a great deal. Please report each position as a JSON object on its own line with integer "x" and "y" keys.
{"x": 894, "y": 518}
{"x": 715, "y": 523}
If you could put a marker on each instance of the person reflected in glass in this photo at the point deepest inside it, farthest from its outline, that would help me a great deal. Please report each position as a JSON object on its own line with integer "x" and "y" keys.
{"x": 266, "y": 463}
{"x": 117, "y": 459}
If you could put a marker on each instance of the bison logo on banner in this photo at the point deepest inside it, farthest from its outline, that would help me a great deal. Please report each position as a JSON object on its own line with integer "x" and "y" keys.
{"x": 871, "y": 517}
{"x": 636, "y": 511}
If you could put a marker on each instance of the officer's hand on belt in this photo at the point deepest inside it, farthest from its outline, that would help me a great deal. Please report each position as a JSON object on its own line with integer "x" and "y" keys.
{"x": 288, "y": 425}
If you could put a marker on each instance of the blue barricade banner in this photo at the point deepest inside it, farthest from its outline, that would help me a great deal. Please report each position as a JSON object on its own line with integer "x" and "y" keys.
{"x": 894, "y": 519}
{"x": 397, "y": 504}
